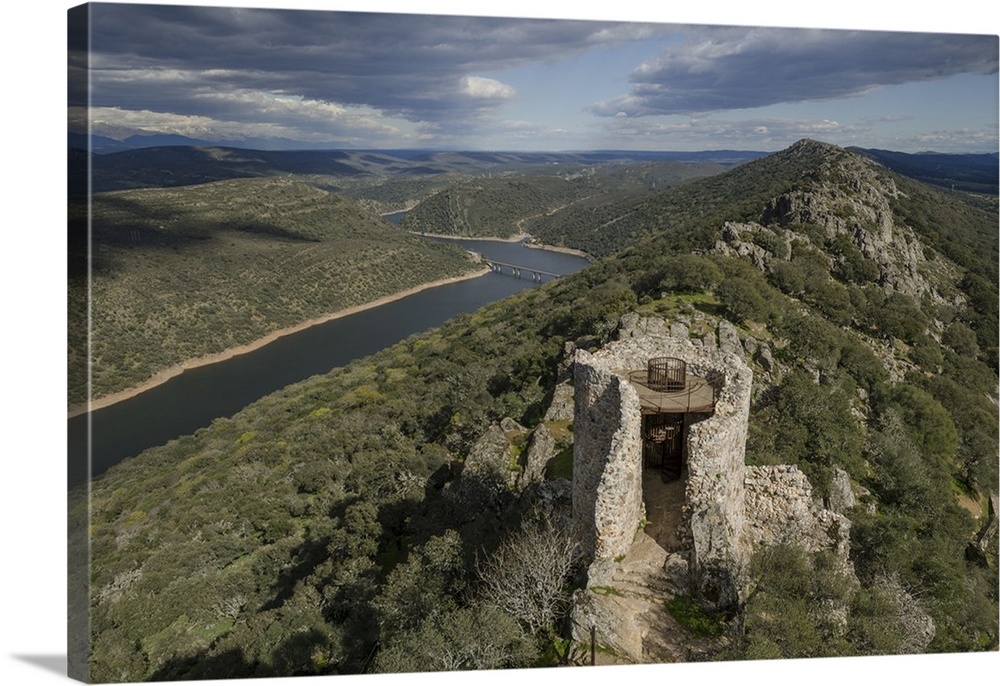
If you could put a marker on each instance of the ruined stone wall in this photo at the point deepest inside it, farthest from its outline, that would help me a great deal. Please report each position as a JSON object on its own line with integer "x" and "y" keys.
{"x": 715, "y": 505}
{"x": 607, "y": 463}
{"x": 730, "y": 509}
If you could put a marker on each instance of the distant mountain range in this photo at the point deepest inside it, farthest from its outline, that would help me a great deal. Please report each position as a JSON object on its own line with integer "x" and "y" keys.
{"x": 976, "y": 172}
{"x": 170, "y": 160}
{"x": 181, "y": 165}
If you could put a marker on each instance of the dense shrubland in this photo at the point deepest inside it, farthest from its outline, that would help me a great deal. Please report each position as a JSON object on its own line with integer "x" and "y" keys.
{"x": 512, "y": 204}
{"x": 493, "y": 207}
{"x": 184, "y": 272}
{"x": 322, "y": 529}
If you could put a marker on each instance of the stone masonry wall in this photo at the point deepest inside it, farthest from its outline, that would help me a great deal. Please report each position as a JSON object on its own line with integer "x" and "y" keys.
{"x": 730, "y": 509}
{"x": 607, "y": 477}
{"x": 715, "y": 499}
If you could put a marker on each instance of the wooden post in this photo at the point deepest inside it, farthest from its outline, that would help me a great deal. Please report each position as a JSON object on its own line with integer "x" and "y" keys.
{"x": 593, "y": 646}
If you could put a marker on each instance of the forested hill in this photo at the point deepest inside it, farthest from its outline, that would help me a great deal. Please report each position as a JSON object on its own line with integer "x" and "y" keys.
{"x": 603, "y": 225}
{"x": 506, "y": 206}
{"x": 349, "y": 524}
{"x": 179, "y": 273}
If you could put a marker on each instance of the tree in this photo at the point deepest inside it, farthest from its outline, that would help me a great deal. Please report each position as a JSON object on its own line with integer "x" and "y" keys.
{"x": 961, "y": 339}
{"x": 798, "y": 605}
{"x": 743, "y": 299}
{"x": 526, "y": 575}
{"x": 477, "y": 637}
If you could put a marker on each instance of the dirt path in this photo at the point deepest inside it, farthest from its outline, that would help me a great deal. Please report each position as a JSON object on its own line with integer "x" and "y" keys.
{"x": 664, "y": 501}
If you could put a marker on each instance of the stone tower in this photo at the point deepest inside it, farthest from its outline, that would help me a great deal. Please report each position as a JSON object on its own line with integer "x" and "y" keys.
{"x": 614, "y": 402}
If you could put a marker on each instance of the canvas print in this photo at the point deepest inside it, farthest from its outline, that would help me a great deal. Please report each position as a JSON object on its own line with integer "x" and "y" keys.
{"x": 404, "y": 343}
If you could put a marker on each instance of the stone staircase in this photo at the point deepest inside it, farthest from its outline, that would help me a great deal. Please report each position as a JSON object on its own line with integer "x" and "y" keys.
{"x": 635, "y": 624}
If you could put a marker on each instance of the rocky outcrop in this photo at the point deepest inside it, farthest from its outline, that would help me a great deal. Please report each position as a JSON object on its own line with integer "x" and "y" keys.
{"x": 842, "y": 497}
{"x": 553, "y": 501}
{"x": 781, "y": 511}
{"x": 628, "y": 616}
{"x": 738, "y": 240}
{"x": 561, "y": 407}
{"x": 847, "y": 196}
{"x": 541, "y": 448}
{"x": 910, "y": 621}
{"x": 491, "y": 454}
{"x": 977, "y": 549}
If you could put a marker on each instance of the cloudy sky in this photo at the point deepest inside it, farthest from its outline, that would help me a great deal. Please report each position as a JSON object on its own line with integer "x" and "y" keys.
{"x": 384, "y": 80}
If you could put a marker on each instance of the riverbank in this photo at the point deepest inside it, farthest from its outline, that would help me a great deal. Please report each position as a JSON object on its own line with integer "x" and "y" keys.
{"x": 167, "y": 374}
{"x": 518, "y": 238}
{"x": 522, "y": 238}
{"x": 556, "y": 248}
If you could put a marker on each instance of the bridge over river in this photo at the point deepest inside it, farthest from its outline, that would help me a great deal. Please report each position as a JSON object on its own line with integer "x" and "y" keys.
{"x": 516, "y": 269}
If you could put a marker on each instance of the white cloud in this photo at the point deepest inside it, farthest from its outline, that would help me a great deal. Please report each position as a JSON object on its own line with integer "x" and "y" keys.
{"x": 342, "y": 125}
{"x": 707, "y": 132}
{"x": 482, "y": 88}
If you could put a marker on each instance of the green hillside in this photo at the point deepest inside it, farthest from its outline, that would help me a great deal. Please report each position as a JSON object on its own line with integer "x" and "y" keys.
{"x": 493, "y": 207}
{"x": 336, "y": 526}
{"x": 507, "y": 206}
{"x": 185, "y": 272}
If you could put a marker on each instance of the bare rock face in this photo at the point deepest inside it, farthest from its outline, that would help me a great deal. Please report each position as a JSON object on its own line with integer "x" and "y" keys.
{"x": 541, "y": 449}
{"x": 509, "y": 426}
{"x": 842, "y": 497}
{"x": 781, "y": 510}
{"x": 738, "y": 240}
{"x": 561, "y": 407}
{"x": 910, "y": 621}
{"x": 679, "y": 330}
{"x": 764, "y": 358}
{"x": 628, "y": 616}
{"x": 977, "y": 548}
{"x": 850, "y": 197}
{"x": 491, "y": 457}
{"x": 729, "y": 338}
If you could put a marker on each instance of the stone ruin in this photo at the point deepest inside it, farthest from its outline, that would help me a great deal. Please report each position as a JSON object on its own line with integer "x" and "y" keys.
{"x": 729, "y": 509}
{"x": 607, "y": 460}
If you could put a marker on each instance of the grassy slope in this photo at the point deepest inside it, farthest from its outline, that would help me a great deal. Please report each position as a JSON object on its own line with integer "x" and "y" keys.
{"x": 181, "y": 273}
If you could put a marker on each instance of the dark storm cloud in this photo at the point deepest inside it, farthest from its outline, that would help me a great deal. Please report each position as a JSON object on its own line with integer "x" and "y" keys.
{"x": 716, "y": 69}
{"x": 187, "y": 59}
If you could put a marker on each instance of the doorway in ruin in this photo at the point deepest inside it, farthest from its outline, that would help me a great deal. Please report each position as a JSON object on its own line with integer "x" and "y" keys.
{"x": 664, "y": 473}
{"x": 671, "y": 399}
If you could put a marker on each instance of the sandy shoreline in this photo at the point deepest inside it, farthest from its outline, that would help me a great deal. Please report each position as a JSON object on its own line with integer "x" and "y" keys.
{"x": 519, "y": 238}
{"x": 167, "y": 374}
{"x": 556, "y": 248}
{"x": 512, "y": 239}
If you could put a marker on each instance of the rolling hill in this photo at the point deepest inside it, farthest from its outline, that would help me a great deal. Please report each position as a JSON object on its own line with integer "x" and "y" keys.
{"x": 180, "y": 273}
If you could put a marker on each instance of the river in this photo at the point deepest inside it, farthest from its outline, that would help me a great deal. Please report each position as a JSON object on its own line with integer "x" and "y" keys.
{"x": 194, "y": 398}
